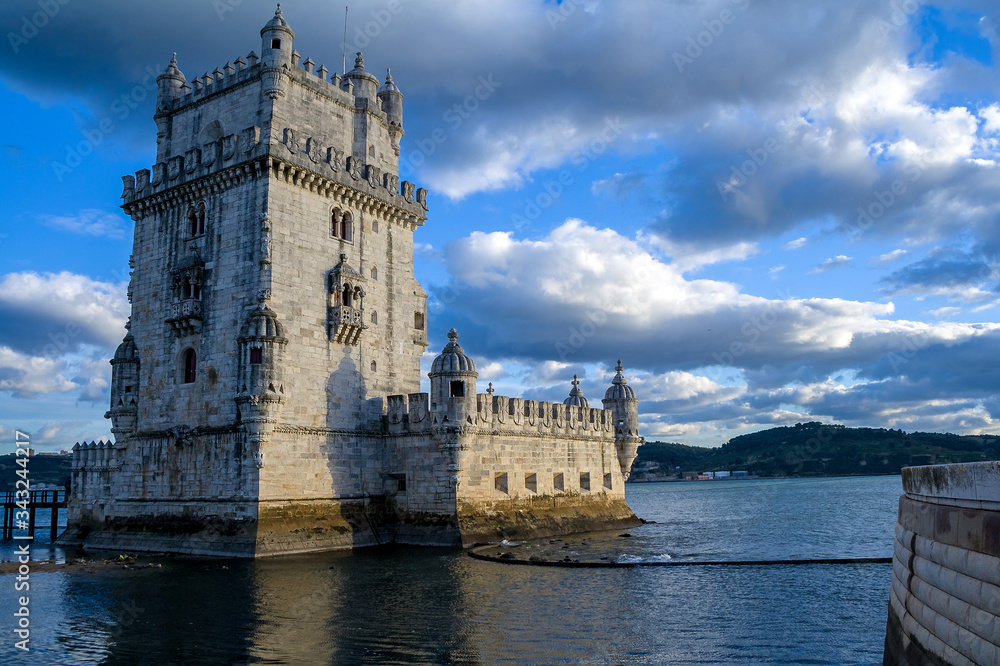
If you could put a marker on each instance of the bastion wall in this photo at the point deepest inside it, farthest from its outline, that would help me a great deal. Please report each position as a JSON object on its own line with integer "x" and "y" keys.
{"x": 944, "y": 603}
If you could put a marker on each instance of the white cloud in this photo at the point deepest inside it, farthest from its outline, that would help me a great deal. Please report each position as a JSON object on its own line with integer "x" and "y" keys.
{"x": 89, "y": 222}
{"x": 890, "y": 256}
{"x": 52, "y": 314}
{"x": 795, "y": 244}
{"x": 836, "y": 262}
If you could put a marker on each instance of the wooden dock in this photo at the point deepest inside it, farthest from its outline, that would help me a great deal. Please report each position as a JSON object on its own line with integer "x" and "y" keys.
{"x": 37, "y": 499}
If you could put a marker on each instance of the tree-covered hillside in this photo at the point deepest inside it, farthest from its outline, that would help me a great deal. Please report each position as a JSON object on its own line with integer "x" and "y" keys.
{"x": 41, "y": 469}
{"x": 816, "y": 449}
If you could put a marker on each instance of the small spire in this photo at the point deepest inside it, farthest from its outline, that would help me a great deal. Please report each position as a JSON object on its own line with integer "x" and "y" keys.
{"x": 388, "y": 75}
{"x": 173, "y": 59}
{"x": 453, "y": 335}
{"x": 277, "y": 12}
{"x": 619, "y": 377}
{"x": 359, "y": 61}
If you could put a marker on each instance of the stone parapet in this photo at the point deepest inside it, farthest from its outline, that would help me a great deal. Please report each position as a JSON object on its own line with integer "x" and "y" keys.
{"x": 944, "y": 603}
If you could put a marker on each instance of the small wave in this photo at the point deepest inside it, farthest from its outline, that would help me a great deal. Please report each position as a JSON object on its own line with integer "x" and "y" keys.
{"x": 625, "y": 558}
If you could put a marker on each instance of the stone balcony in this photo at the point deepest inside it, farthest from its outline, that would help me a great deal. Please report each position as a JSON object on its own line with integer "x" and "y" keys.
{"x": 346, "y": 324}
{"x": 185, "y": 317}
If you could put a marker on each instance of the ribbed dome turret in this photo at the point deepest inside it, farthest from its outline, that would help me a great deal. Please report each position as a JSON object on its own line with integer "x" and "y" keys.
{"x": 389, "y": 86}
{"x": 365, "y": 83}
{"x": 576, "y": 395}
{"x": 126, "y": 350}
{"x": 391, "y": 100}
{"x": 278, "y": 22}
{"x": 171, "y": 71}
{"x": 619, "y": 390}
{"x": 452, "y": 359}
{"x": 359, "y": 71}
{"x": 262, "y": 324}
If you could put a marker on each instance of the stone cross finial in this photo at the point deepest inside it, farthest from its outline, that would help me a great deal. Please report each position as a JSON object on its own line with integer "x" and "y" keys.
{"x": 575, "y": 382}
{"x": 490, "y": 389}
{"x": 453, "y": 335}
{"x": 619, "y": 367}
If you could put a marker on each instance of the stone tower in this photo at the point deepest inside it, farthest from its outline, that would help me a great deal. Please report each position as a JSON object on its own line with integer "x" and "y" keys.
{"x": 266, "y": 397}
{"x": 273, "y": 295}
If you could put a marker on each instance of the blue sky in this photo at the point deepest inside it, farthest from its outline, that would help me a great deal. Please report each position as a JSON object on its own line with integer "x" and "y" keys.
{"x": 771, "y": 211}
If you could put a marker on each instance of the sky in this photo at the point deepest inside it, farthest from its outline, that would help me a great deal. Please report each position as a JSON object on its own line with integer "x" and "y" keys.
{"x": 772, "y": 211}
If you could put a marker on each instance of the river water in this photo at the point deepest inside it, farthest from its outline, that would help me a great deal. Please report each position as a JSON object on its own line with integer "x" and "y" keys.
{"x": 438, "y": 606}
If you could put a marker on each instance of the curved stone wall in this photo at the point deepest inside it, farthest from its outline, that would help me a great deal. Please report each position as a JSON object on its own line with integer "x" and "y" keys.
{"x": 944, "y": 603}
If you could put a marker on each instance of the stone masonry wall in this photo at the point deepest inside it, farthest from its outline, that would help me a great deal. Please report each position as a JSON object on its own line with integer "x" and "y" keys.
{"x": 944, "y": 604}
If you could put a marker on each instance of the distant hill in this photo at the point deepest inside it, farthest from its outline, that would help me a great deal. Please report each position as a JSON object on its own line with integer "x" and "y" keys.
{"x": 815, "y": 449}
{"x": 41, "y": 469}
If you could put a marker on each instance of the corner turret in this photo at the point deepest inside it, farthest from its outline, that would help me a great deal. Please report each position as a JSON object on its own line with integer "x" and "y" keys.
{"x": 621, "y": 400}
{"x": 124, "y": 387}
{"x": 453, "y": 383}
{"x": 261, "y": 390}
{"x": 392, "y": 101}
{"x": 169, "y": 84}
{"x": 276, "y": 42}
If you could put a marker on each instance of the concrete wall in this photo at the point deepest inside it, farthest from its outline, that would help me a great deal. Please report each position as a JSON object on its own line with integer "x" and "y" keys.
{"x": 944, "y": 604}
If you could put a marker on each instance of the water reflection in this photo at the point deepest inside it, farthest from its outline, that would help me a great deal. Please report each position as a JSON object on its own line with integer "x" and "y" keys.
{"x": 434, "y": 606}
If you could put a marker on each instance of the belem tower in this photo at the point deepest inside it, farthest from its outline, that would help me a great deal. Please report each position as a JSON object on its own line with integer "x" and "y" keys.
{"x": 266, "y": 397}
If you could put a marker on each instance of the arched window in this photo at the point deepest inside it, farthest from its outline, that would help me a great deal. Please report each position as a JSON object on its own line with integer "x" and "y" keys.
{"x": 335, "y": 218}
{"x": 190, "y": 366}
{"x": 196, "y": 220}
{"x": 374, "y": 366}
{"x": 375, "y": 226}
{"x": 256, "y": 355}
{"x": 347, "y": 228}
{"x": 348, "y": 299}
{"x": 374, "y": 273}
{"x": 374, "y": 317}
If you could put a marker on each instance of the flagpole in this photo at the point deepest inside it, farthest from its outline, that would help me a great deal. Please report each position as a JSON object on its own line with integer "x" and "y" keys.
{"x": 344, "y": 71}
